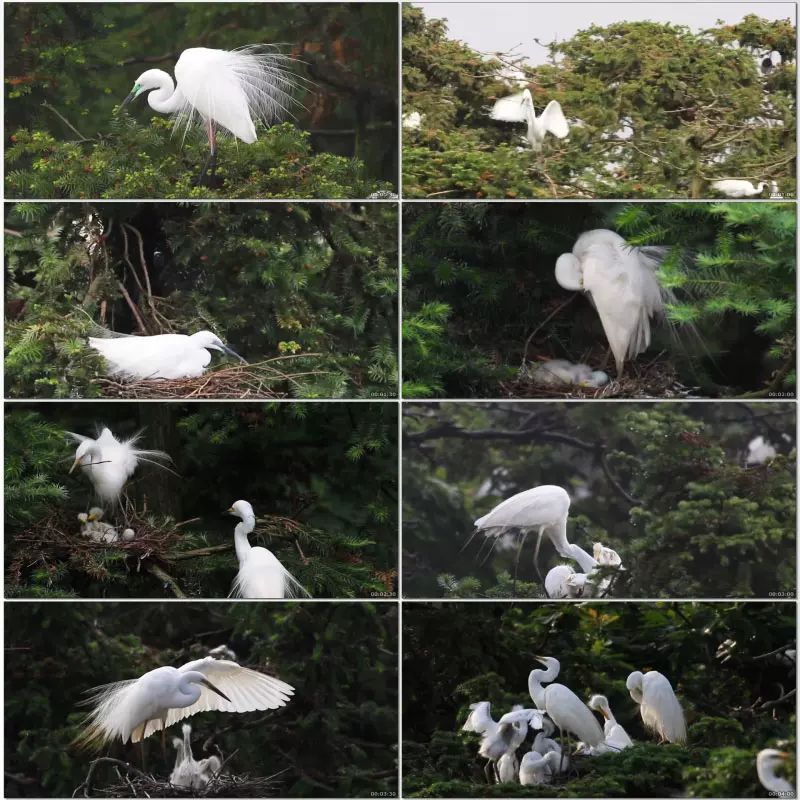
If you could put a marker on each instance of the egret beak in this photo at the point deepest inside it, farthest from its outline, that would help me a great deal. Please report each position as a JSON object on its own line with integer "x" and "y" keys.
{"x": 784, "y": 756}
{"x": 75, "y": 464}
{"x": 91, "y": 518}
{"x": 229, "y": 511}
{"x": 541, "y": 659}
{"x": 604, "y": 713}
{"x": 230, "y": 352}
{"x": 213, "y": 688}
{"x": 130, "y": 97}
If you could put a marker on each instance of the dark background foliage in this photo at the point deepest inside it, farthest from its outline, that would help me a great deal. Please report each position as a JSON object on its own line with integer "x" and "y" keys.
{"x": 694, "y": 105}
{"x": 331, "y": 468}
{"x": 68, "y": 65}
{"x": 479, "y": 281}
{"x": 271, "y": 280}
{"x": 663, "y": 484}
{"x": 336, "y": 738}
{"x": 455, "y": 654}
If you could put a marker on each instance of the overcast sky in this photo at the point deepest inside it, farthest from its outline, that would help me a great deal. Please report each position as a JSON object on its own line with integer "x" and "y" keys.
{"x": 500, "y": 27}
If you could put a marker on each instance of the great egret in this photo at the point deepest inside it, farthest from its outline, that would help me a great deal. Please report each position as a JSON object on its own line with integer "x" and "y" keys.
{"x": 544, "y": 744}
{"x": 133, "y": 710}
{"x": 731, "y": 188}
{"x": 759, "y": 450}
{"x": 537, "y": 768}
{"x": 616, "y": 737}
{"x": 562, "y": 582}
{"x": 560, "y": 372}
{"x": 92, "y": 527}
{"x": 767, "y": 761}
{"x": 168, "y": 355}
{"x": 567, "y": 711}
{"x": 497, "y": 738}
{"x": 223, "y": 651}
{"x": 658, "y": 705}
{"x": 508, "y": 767}
{"x": 188, "y": 772}
{"x": 605, "y": 556}
{"x": 109, "y": 462}
{"x": 622, "y": 284}
{"x": 519, "y": 108}
{"x": 225, "y": 89}
{"x": 260, "y": 574}
{"x": 412, "y": 120}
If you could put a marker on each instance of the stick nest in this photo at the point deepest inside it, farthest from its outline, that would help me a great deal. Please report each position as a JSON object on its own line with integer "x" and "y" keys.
{"x": 267, "y": 380}
{"x": 219, "y": 786}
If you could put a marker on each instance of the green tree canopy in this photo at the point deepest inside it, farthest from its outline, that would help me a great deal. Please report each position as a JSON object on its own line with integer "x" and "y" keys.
{"x": 480, "y": 295}
{"x": 666, "y": 485}
{"x": 337, "y": 736}
{"x": 724, "y": 660}
{"x": 306, "y": 293}
{"x": 68, "y": 65}
{"x": 656, "y": 110}
{"x": 321, "y": 478}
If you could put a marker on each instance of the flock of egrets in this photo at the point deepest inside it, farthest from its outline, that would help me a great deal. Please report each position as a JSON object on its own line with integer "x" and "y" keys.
{"x": 545, "y": 509}
{"x": 108, "y": 463}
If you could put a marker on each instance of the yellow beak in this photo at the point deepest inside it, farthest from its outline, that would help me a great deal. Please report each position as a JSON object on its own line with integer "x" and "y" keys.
{"x": 229, "y": 511}
{"x": 75, "y": 464}
{"x": 604, "y": 713}
{"x": 91, "y": 518}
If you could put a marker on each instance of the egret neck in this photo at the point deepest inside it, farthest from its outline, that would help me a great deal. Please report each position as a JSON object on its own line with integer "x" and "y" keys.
{"x": 243, "y": 546}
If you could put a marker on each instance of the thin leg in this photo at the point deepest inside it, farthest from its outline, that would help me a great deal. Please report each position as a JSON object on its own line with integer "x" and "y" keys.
{"x": 536, "y": 554}
{"x": 487, "y": 771}
{"x": 519, "y": 553}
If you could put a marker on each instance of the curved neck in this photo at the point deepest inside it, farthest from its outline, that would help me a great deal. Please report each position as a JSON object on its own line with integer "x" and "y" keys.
{"x": 188, "y": 690}
{"x": 585, "y": 561}
{"x": 240, "y": 537}
{"x": 164, "y": 98}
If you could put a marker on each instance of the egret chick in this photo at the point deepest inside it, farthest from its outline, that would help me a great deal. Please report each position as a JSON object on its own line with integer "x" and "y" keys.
{"x": 497, "y": 738}
{"x": 658, "y": 705}
{"x": 519, "y": 108}
{"x": 537, "y": 768}
{"x": 109, "y": 462}
{"x": 132, "y": 710}
{"x": 169, "y": 355}
{"x": 616, "y": 737}
{"x": 562, "y": 582}
{"x": 767, "y": 761}
{"x": 224, "y": 89}
{"x": 102, "y": 531}
{"x": 187, "y": 772}
{"x": 260, "y": 574}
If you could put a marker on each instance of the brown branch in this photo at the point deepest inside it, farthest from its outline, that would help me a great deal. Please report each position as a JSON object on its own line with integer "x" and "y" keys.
{"x": 132, "y": 306}
{"x": 150, "y": 60}
{"x": 542, "y": 324}
{"x": 201, "y": 551}
{"x": 166, "y": 578}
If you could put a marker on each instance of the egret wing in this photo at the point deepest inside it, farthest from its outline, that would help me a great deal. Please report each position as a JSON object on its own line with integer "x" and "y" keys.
{"x": 480, "y": 718}
{"x": 514, "y": 108}
{"x": 661, "y": 709}
{"x": 542, "y": 505}
{"x": 532, "y": 716}
{"x": 554, "y": 121}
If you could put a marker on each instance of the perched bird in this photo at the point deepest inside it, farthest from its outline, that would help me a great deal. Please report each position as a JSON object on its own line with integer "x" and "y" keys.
{"x": 537, "y": 768}
{"x": 497, "y": 738}
{"x": 132, "y": 710}
{"x": 767, "y": 761}
{"x": 567, "y": 711}
{"x": 168, "y": 355}
{"x": 563, "y": 582}
{"x": 223, "y": 651}
{"x": 412, "y": 120}
{"x": 519, "y": 108}
{"x": 224, "y": 89}
{"x": 605, "y": 556}
{"x": 621, "y": 283}
{"x": 109, "y": 462}
{"x": 658, "y": 705}
{"x": 732, "y": 188}
{"x": 508, "y": 768}
{"x": 188, "y": 772}
{"x": 616, "y": 737}
{"x": 260, "y": 573}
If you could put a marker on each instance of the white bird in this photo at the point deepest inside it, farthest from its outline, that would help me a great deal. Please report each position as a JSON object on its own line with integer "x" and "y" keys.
{"x": 508, "y": 768}
{"x": 223, "y": 651}
{"x": 616, "y": 737}
{"x": 544, "y": 508}
{"x": 134, "y": 709}
{"x": 767, "y": 761}
{"x": 560, "y": 372}
{"x": 562, "y": 582}
{"x": 413, "y": 120}
{"x": 621, "y": 282}
{"x": 658, "y": 705}
{"x": 759, "y": 450}
{"x": 168, "y": 355}
{"x": 497, "y": 738}
{"x": 731, "y": 188}
{"x": 98, "y": 530}
{"x": 188, "y": 772}
{"x": 519, "y": 108}
{"x": 224, "y": 89}
{"x": 537, "y": 768}
{"x": 260, "y": 574}
{"x": 109, "y": 462}
{"x": 605, "y": 556}
{"x": 567, "y": 711}
{"x": 544, "y": 744}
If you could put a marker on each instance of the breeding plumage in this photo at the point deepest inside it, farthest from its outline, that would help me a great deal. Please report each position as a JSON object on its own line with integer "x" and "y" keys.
{"x": 519, "y": 108}
{"x": 658, "y": 705}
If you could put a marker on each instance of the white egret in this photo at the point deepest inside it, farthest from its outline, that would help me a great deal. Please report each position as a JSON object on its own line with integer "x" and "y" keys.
{"x": 616, "y": 737}
{"x": 412, "y": 120}
{"x": 188, "y": 772}
{"x": 731, "y": 188}
{"x": 497, "y": 738}
{"x": 560, "y": 372}
{"x": 109, "y": 462}
{"x": 226, "y": 90}
{"x": 508, "y": 767}
{"x": 260, "y": 574}
{"x": 759, "y": 451}
{"x": 767, "y": 761}
{"x": 544, "y": 744}
{"x": 519, "y": 108}
{"x": 168, "y": 355}
{"x": 134, "y": 709}
{"x": 621, "y": 283}
{"x": 537, "y": 768}
{"x": 605, "y": 556}
{"x": 562, "y": 582}
{"x": 658, "y": 705}
{"x": 567, "y": 711}
{"x": 103, "y": 532}
{"x": 223, "y": 651}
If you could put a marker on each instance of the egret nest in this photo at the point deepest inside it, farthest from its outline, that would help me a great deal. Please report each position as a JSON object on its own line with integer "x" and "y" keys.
{"x": 267, "y": 380}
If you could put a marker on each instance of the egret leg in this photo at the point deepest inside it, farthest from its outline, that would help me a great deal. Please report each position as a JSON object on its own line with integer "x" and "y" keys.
{"x": 525, "y": 533}
{"x": 536, "y": 553}
{"x": 487, "y": 771}
{"x": 211, "y": 162}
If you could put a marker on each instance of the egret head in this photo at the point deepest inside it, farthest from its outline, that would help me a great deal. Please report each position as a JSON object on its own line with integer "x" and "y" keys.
{"x": 549, "y": 662}
{"x": 85, "y": 450}
{"x": 210, "y": 341}
{"x": 95, "y": 514}
{"x": 634, "y": 681}
{"x": 198, "y": 677}
{"x": 151, "y": 79}
{"x": 83, "y": 517}
{"x": 210, "y": 765}
{"x": 569, "y": 274}
{"x": 242, "y": 509}
{"x": 599, "y": 702}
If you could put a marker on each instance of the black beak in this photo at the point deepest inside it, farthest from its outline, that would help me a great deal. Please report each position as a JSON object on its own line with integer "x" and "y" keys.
{"x": 230, "y": 352}
{"x": 126, "y": 101}
{"x": 213, "y": 688}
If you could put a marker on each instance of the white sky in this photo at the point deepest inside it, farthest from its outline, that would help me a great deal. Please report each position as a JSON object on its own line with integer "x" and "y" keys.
{"x": 501, "y": 27}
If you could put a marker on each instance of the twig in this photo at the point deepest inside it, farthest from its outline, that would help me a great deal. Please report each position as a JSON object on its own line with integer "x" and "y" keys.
{"x": 65, "y": 121}
{"x": 543, "y": 323}
{"x": 167, "y": 579}
{"x": 87, "y": 783}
